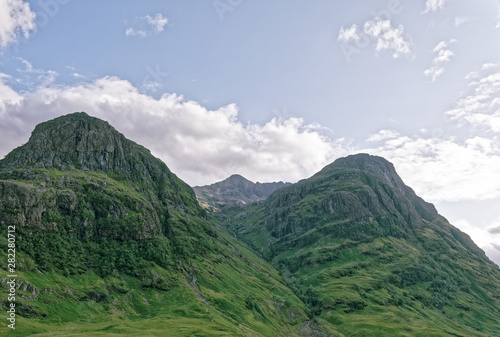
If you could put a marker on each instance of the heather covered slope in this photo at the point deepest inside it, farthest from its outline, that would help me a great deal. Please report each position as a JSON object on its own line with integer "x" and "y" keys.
{"x": 110, "y": 242}
{"x": 370, "y": 257}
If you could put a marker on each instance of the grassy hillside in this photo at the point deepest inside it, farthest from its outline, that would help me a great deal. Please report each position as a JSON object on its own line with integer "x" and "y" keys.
{"x": 371, "y": 258}
{"x": 110, "y": 242}
{"x": 231, "y": 292}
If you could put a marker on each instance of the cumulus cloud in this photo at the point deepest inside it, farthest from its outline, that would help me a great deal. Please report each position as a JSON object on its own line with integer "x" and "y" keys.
{"x": 387, "y": 37}
{"x": 442, "y": 56}
{"x": 383, "y": 135}
{"x": 147, "y": 25}
{"x": 8, "y": 97}
{"x": 199, "y": 144}
{"x": 487, "y": 66}
{"x": 480, "y": 106}
{"x": 434, "y": 5}
{"x": 158, "y": 22}
{"x": 348, "y": 34}
{"x": 443, "y": 169}
{"x": 16, "y": 19}
{"x": 379, "y": 32}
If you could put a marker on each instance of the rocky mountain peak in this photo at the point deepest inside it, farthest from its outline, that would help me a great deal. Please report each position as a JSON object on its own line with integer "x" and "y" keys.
{"x": 234, "y": 191}
{"x": 74, "y": 141}
{"x": 379, "y": 169}
{"x": 377, "y": 166}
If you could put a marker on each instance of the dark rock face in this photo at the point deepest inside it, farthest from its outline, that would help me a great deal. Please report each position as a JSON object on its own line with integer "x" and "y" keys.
{"x": 356, "y": 189}
{"x": 235, "y": 191}
{"x": 81, "y": 169}
{"x": 76, "y": 141}
{"x": 385, "y": 171}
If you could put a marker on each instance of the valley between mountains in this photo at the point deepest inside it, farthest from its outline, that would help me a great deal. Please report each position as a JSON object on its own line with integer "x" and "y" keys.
{"x": 110, "y": 242}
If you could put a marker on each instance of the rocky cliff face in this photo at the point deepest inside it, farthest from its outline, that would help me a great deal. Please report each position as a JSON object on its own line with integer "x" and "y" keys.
{"x": 360, "y": 189}
{"x": 78, "y": 142}
{"x": 78, "y": 177}
{"x": 75, "y": 141}
{"x": 235, "y": 191}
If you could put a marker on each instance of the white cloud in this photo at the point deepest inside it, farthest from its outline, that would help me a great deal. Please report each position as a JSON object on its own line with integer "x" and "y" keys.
{"x": 487, "y": 66}
{"x": 480, "y": 107}
{"x": 434, "y": 5}
{"x": 387, "y": 37}
{"x": 200, "y": 145}
{"x": 34, "y": 77}
{"x": 147, "y": 25}
{"x": 135, "y": 32}
{"x": 349, "y": 34}
{"x": 472, "y": 75}
{"x": 461, "y": 20}
{"x": 442, "y": 56}
{"x": 383, "y": 135}
{"x": 443, "y": 169}
{"x": 158, "y": 22}
{"x": 8, "y": 97}
{"x": 16, "y": 18}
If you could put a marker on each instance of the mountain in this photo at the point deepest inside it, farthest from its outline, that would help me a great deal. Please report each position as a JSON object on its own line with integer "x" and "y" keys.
{"x": 371, "y": 258}
{"x": 108, "y": 241}
{"x": 235, "y": 191}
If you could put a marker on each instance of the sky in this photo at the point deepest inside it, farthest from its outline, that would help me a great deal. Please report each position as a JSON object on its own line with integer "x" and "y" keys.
{"x": 274, "y": 90}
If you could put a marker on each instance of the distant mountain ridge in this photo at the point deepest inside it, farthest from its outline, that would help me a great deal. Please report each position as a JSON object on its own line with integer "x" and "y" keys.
{"x": 235, "y": 191}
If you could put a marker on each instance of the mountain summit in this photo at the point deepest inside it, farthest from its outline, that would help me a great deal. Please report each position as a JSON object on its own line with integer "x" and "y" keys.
{"x": 235, "y": 191}
{"x": 77, "y": 141}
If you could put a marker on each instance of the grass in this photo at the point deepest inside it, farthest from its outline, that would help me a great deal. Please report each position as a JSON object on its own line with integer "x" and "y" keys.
{"x": 232, "y": 292}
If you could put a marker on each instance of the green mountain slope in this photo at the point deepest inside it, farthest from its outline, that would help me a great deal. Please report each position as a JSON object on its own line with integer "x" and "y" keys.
{"x": 371, "y": 258}
{"x": 110, "y": 242}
